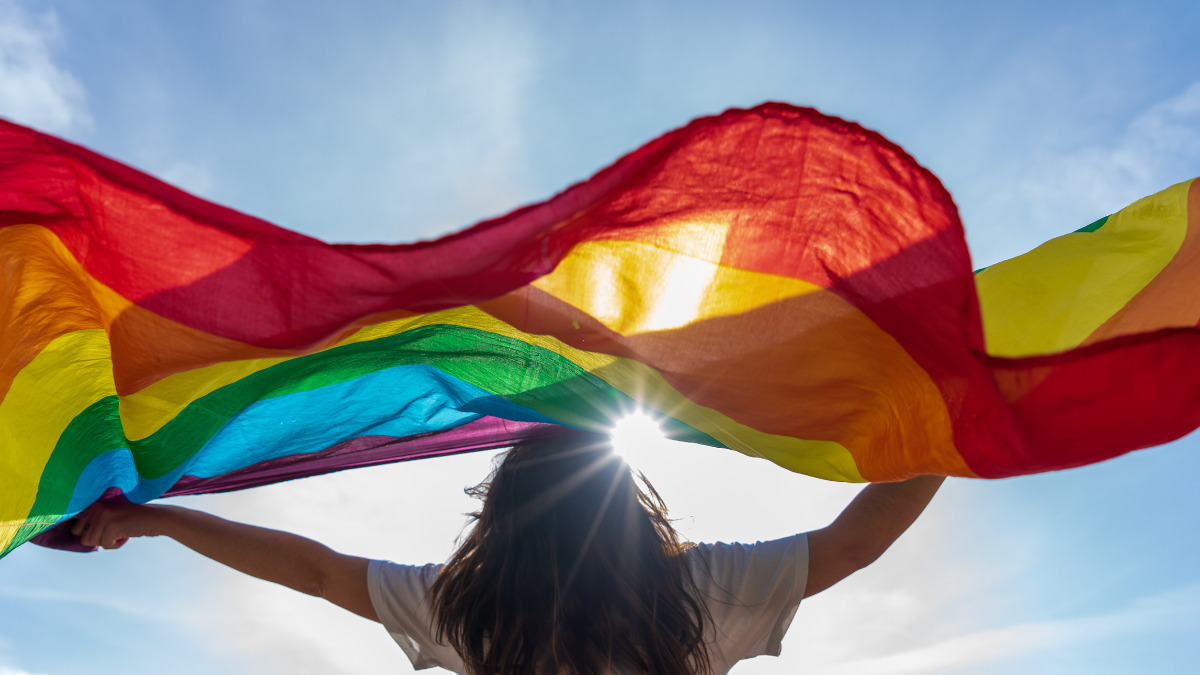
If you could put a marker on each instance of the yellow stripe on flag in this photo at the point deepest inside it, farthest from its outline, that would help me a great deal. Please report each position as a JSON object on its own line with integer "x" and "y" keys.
{"x": 1051, "y": 299}
{"x": 76, "y": 369}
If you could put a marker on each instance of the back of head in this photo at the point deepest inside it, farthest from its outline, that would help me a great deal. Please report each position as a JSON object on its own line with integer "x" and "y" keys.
{"x": 570, "y": 568}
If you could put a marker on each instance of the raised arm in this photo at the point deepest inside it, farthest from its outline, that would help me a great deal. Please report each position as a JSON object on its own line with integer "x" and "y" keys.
{"x": 879, "y": 514}
{"x": 287, "y": 559}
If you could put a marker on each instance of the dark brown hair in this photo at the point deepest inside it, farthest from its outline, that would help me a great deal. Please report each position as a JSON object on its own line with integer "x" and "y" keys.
{"x": 570, "y": 568}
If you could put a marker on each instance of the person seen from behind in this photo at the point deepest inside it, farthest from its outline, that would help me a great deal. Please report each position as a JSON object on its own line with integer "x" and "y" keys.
{"x": 571, "y": 568}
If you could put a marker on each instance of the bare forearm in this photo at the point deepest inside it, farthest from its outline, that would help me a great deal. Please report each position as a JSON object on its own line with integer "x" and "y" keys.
{"x": 883, "y": 511}
{"x": 287, "y": 559}
{"x": 280, "y": 557}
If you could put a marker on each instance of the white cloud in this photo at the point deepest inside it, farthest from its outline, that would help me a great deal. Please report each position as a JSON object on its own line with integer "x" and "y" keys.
{"x": 488, "y": 61}
{"x": 928, "y": 586}
{"x": 464, "y": 135}
{"x": 97, "y": 601}
{"x": 34, "y": 90}
{"x": 1173, "y": 610}
{"x": 1159, "y": 148}
{"x": 8, "y": 657}
{"x": 1061, "y": 190}
{"x": 5, "y": 670}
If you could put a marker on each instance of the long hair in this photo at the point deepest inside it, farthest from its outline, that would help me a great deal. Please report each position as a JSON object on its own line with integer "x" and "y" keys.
{"x": 570, "y": 568}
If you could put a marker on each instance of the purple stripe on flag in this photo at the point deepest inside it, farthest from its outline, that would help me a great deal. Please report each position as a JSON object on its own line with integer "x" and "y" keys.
{"x": 485, "y": 433}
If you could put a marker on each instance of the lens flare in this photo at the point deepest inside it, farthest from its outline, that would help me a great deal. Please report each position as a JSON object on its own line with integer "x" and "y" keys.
{"x": 634, "y": 435}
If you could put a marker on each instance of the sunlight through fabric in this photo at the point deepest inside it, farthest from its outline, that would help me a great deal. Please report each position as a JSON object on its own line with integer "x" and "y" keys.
{"x": 773, "y": 281}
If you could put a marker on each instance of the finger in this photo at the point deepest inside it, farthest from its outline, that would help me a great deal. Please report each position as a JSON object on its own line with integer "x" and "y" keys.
{"x": 113, "y": 537}
{"x": 106, "y": 533}
{"x": 81, "y": 529}
{"x": 82, "y": 522}
{"x": 94, "y": 527}
{"x": 89, "y": 535}
{"x": 85, "y": 521}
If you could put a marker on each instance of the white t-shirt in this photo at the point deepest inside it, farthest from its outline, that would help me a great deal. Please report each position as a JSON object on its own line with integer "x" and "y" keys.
{"x": 751, "y": 590}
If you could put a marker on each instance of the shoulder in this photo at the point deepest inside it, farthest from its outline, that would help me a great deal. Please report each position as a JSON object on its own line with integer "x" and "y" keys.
{"x": 783, "y": 559}
{"x": 751, "y": 592}
{"x": 783, "y": 546}
{"x": 400, "y": 594}
{"x": 394, "y": 587}
{"x": 390, "y": 573}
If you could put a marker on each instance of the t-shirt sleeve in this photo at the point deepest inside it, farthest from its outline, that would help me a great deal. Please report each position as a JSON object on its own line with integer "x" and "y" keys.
{"x": 399, "y": 594}
{"x": 752, "y": 592}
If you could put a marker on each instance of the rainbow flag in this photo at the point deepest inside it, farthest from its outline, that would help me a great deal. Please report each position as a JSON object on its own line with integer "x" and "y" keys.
{"x": 774, "y": 281}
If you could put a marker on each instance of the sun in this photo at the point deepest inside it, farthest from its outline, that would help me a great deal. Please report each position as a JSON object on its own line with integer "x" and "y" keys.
{"x": 634, "y": 435}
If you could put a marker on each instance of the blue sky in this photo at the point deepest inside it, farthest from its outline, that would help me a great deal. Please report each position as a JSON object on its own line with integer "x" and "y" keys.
{"x": 383, "y": 121}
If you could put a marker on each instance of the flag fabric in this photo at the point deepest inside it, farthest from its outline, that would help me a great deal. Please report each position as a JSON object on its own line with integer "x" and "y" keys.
{"x": 774, "y": 281}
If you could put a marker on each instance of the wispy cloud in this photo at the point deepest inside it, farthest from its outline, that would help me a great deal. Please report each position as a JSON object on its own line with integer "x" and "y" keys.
{"x": 9, "y": 656}
{"x": 7, "y": 660}
{"x": 129, "y": 607}
{"x": 1151, "y": 614}
{"x": 489, "y": 62}
{"x": 1160, "y": 147}
{"x": 1062, "y": 189}
{"x": 469, "y": 142}
{"x": 913, "y": 595}
{"x": 5, "y": 670}
{"x": 421, "y": 128}
{"x": 34, "y": 89}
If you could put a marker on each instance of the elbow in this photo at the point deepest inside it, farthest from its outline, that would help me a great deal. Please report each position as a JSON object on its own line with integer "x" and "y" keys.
{"x": 313, "y": 588}
{"x": 318, "y": 584}
{"x": 318, "y": 573}
{"x": 312, "y": 581}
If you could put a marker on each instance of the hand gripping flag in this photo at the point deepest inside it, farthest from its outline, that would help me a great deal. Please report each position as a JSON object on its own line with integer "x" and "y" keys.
{"x": 774, "y": 281}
